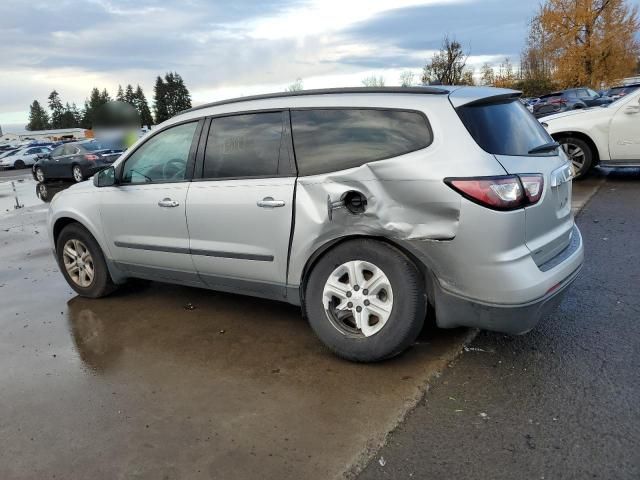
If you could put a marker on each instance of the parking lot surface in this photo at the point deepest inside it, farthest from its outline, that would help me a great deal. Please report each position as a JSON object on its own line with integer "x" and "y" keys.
{"x": 558, "y": 403}
{"x": 160, "y": 381}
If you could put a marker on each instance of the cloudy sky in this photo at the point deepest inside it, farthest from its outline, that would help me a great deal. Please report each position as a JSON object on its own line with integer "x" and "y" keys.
{"x": 239, "y": 47}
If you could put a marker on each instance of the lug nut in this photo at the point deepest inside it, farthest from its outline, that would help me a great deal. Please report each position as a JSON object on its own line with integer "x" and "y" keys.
{"x": 356, "y": 288}
{"x": 358, "y": 309}
{"x": 350, "y": 305}
{"x": 365, "y": 292}
{"x": 348, "y": 294}
{"x": 366, "y": 303}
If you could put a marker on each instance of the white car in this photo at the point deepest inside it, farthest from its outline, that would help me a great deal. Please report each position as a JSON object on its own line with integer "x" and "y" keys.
{"x": 22, "y": 157}
{"x": 608, "y": 136}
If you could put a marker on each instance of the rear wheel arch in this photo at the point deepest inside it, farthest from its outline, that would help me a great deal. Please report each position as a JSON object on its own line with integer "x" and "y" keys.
{"x": 315, "y": 257}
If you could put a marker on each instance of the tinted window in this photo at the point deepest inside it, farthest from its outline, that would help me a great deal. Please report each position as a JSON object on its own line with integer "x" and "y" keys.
{"x": 243, "y": 146}
{"x": 58, "y": 151}
{"x": 504, "y": 128}
{"x": 336, "y": 139}
{"x": 162, "y": 158}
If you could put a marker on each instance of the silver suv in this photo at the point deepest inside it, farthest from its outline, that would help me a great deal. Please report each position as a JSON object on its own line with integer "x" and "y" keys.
{"x": 364, "y": 206}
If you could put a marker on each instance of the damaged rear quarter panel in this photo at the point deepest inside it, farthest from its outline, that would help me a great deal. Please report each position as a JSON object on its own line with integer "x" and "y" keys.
{"x": 407, "y": 200}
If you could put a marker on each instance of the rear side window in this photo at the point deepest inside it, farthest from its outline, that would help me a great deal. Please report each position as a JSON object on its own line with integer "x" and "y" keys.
{"x": 504, "y": 128}
{"x": 337, "y": 139}
{"x": 244, "y": 146}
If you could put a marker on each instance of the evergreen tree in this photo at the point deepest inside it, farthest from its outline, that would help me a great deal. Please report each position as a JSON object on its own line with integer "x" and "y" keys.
{"x": 129, "y": 96}
{"x": 120, "y": 94}
{"x": 160, "y": 101}
{"x": 68, "y": 119}
{"x": 171, "y": 96}
{"x": 91, "y": 106}
{"x": 38, "y": 117}
{"x": 143, "y": 107}
{"x": 57, "y": 109}
{"x": 104, "y": 96}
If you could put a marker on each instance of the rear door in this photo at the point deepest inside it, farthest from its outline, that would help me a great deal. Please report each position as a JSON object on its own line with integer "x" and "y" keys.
{"x": 239, "y": 211}
{"x": 507, "y": 130}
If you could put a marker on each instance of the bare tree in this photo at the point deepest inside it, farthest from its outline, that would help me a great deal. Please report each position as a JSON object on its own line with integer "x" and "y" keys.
{"x": 295, "y": 86}
{"x": 373, "y": 81}
{"x": 448, "y": 66}
{"x": 407, "y": 78}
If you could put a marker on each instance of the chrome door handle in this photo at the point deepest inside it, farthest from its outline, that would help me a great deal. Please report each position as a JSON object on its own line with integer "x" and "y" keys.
{"x": 167, "y": 202}
{"x": 269, "y": 202}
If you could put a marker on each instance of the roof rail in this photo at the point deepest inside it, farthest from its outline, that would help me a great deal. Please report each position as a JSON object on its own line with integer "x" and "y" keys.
{"x": 326, "y": 91}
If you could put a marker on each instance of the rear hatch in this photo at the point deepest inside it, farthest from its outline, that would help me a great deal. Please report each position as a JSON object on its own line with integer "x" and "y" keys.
{"x": 505, "y": 128}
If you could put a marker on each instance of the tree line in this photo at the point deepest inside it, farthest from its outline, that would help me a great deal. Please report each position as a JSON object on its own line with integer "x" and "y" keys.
{"x": 171, "y": 96}
{"x": 570, "y": 43}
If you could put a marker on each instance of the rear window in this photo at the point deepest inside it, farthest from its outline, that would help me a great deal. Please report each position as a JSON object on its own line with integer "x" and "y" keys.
{"x": 504, "y": 128}
{"x": 328, "y": 140}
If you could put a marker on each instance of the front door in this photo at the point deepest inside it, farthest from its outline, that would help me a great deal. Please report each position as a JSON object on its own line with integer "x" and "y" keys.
{"x": 143, "y": 215}
{"x": 239, "y": 211}
{"x": 624, "y": 131}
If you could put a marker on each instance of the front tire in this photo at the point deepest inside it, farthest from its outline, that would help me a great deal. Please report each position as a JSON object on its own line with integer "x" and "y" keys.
{"x": 580, "y": 154}
{"x": 365, "y": 300}
{"x": 82, "y": 262}
{"x": 76, "y": 173}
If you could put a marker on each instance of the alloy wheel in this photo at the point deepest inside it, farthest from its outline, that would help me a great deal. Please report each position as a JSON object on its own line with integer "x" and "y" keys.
{"x": 39, "y": 175}
{"x": 78, "y": 263}
{"x": 77, "y": 174}
{"x": 358, "y": 298}
{"x": 576, "y": 156}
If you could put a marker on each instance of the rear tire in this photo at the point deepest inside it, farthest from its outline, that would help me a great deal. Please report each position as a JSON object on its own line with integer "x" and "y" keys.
{"x": 19, "y": 165}
{"x": 76, "y": 173}
{"x": 40, "y": 175}
{"x": 88, "y": 275}
{"x": 398, "y": 290}
{"x": 580, "y": 155}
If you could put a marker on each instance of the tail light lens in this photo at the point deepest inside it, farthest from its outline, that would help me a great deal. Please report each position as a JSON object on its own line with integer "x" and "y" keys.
{"x": 90, "y": 157}
{"x": 508, "y": 192}
{"x": 558, "y": 101}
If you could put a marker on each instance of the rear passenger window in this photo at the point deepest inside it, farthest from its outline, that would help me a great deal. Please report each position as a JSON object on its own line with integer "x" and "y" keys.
{"x": 243, "y": 146}
{"x": 337, "y": 139}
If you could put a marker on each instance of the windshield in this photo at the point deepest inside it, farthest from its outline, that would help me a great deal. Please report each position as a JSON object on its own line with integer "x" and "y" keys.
{"x": 504, "y": 128}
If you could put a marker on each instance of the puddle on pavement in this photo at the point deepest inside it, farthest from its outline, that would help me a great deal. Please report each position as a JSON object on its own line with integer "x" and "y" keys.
{"x": 20, "y": 192}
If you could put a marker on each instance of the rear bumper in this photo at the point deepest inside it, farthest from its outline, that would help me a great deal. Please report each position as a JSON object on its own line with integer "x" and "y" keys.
{"x": 456, "y": 310}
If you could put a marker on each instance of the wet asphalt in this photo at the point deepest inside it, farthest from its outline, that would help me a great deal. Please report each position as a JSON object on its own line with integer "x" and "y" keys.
{"x": 562, "y": 402}
{"x": 166, "y": 382}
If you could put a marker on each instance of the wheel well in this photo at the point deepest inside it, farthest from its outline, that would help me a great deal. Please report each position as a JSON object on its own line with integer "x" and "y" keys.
{"x": 319, "y": 253}
{"x": 583, "y": 137}
{"x": 59, "y": 225}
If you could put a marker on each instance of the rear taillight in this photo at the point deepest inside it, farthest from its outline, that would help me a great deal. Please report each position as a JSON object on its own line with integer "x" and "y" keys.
{"x": 507, "y": 192}
{"x": 558, "y": 101}
{"x": 91, "y": 158}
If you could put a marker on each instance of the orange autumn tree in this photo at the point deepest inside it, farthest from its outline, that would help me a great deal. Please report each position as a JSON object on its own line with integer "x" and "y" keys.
{"x": 588, "y": 42}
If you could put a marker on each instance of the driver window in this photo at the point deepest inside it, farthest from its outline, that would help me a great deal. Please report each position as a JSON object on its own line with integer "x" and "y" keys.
{"x": 163, "y": 158}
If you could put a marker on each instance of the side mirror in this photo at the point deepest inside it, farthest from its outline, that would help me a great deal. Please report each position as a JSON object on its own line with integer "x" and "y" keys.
{"x": 41, "y": 156}
{"x": 105, "y": 178}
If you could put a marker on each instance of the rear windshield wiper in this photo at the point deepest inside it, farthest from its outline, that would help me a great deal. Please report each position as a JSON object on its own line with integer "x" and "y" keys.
{"x": 547, "y": 147}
